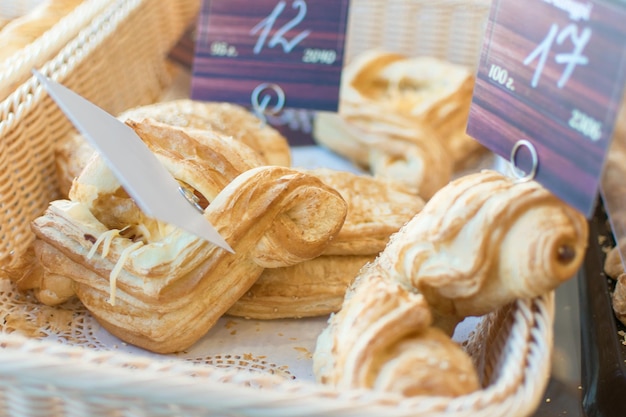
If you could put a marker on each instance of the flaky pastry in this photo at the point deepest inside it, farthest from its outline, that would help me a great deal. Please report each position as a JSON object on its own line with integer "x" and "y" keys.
{"x": 376, "y": 209}
{"x": 402, "y": 118}
{"x": 382, "y": 339}
{"x": 157, "y": 286}
{"x": 228, "y": 120}
{"x": 307, "y": 289}
{"x": 481, "y": 242}
{"x": 411, "y": 155}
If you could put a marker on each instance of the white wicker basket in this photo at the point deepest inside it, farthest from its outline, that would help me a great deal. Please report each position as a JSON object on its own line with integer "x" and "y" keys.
{"x": 118, "y": 60}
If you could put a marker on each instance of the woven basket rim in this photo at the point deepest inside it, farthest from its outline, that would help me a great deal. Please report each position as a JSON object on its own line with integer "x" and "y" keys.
{"x": 20, "y": 63}
{"x": 101, "y": 373}
{"x": 29, "y": 94}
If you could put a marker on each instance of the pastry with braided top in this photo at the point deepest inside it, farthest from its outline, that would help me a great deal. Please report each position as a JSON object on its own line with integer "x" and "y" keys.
{"x": 480, "y": 243}
{"x": 158, "y": 287}
{"x": 376, "y": 209}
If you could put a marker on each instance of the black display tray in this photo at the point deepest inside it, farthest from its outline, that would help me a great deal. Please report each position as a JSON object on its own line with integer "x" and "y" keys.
{"x": 603, "y": 355}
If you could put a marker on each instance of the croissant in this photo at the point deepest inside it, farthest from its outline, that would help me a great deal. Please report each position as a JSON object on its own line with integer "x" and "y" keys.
{"x": 376, "y": 209}
{"x": 158, "y": 287}
{"x": 481, "y": 242}
{"x": 226, "y": 119}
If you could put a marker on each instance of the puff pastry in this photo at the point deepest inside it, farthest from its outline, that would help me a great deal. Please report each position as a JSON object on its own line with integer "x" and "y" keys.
{"x": 403, "y": 118}
{"x": 481, "y": 242}
{"x": 376, "y": 209}
{"x": 382, "y": 339}
{"x": 228, "y": 120}
{"x": 159, "y": 287}
{"x": 311, "y": 288}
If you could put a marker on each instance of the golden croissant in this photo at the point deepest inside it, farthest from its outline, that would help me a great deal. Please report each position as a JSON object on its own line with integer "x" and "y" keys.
{"x": 481, "y": 242}
{"x": 157, "y": 286}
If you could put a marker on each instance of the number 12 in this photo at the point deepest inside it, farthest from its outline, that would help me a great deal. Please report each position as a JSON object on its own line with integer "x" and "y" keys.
{"x": 279, "y": 37}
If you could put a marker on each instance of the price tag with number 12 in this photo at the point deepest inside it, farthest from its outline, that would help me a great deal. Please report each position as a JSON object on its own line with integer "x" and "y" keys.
{"x": 548, "y": 89}
{"x": 269, "y": 54}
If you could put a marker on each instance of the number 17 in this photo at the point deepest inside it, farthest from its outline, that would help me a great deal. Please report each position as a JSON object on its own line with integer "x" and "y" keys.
{"x": 571, "y": 60}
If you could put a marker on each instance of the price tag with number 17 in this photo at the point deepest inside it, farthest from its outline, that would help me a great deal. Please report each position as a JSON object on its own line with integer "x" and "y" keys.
{"x": 549, "y": 86}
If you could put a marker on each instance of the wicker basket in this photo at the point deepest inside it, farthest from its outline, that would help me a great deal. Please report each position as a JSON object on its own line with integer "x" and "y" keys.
{"x": 16, "y": 68}
{"x": 446, "y": 29}
{"x": 117, "y": 60}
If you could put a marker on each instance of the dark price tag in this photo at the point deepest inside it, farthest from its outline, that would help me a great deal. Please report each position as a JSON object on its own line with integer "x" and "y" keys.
{"x": 269, "y": 54}
{"x": 548, "y": 89}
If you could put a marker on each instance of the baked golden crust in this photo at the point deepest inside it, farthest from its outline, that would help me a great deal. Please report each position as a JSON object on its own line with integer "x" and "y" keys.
{"x": 485, "y": 240}
{"x": 403, "y": 118}
{"x": 159, "y": 287}
{"x": 311, "y": 288}
{"x": 481, "y": 242}
{"x": 225, "y": 119}
{"x": 376, "y": 209}
{"x": 382, "y": 339}
{"x": 412, "y": 156}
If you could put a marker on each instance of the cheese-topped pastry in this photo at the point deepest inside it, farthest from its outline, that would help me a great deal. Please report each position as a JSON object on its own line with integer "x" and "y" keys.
{"x": 157, "y": 286}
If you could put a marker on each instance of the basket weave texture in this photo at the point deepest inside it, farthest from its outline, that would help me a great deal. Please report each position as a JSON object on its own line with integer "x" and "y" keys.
{"x": 117, "y": 59}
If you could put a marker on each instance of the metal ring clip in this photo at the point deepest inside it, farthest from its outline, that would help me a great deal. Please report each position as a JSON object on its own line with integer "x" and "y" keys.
{"x": 520, "y": 174}
{"x": 189, "y": 196}
{"x": 260, "y": 104}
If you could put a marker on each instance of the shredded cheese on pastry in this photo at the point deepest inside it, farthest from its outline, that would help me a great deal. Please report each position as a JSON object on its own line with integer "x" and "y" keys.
{"x": 106, "y": 237}
{"x": 118, "y": 268}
